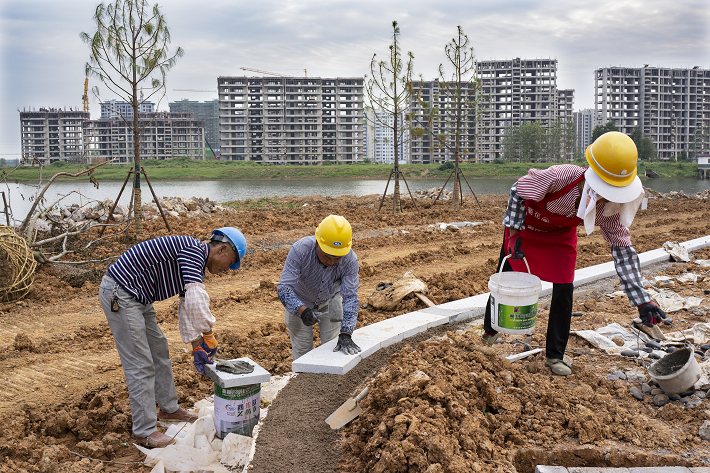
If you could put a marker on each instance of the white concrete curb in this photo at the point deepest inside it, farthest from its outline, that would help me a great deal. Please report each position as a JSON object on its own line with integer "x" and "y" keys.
{"x": 382, "y": 334}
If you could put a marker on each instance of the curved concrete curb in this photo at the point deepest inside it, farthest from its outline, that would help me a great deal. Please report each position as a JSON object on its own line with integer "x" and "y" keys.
{"x": 382, "y": 334}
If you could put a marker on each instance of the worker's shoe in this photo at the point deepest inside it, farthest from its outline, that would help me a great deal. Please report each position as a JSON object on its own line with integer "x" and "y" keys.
{"x": 181, "y": 415}
{"x": 490, "y": 339}
{"x": 155, "y": 440}
{"x": 558, "y": 367}
{"x": 653, "y": 332}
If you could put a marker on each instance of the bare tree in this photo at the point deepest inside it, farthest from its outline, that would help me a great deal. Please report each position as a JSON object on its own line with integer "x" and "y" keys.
{"x": 389, "y": 94}
{"x": 456, "y": 106}
{"x": 129, "y": 54}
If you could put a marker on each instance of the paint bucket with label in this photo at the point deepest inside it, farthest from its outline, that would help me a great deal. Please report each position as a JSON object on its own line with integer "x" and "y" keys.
{"x": 514, "y": 300}
{"x": 237, "y": 398}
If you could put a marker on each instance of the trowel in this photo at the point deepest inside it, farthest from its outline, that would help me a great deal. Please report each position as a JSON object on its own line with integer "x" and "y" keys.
{"x": 347, "y": 412}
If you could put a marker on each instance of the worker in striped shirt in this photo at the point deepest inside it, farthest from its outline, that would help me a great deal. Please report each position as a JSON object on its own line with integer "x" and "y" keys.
{"x": 155, "y": 270}
{"x": 544, "y": 209}
{"x": 319, "y": 284}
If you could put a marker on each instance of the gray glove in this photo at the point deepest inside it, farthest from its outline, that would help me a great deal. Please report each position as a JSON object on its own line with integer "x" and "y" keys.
{"x": 346, "y": 345}
{"x": 309, "y": 317}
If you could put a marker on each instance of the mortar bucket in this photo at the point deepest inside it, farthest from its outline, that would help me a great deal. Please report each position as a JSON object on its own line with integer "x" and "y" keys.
{"x": 236, "y": 410}
{"x": 514, "y": 300}
{"x": 676, "y": 372}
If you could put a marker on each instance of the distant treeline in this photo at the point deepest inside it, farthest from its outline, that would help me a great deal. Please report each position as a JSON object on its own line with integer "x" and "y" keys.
{"x": 185, "y": 168}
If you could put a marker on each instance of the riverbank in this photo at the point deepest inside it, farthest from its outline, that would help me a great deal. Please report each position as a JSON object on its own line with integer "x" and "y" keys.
{"x": 188, "y": 169}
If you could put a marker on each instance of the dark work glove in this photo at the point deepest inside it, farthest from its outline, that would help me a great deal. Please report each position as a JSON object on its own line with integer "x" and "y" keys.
{"x": 308, "y": 317}
{"x": 346, "y": 344}
{"x": 651, "y": 314}
{"x": 516, "y": 252}
{"x": 200, "y": 359}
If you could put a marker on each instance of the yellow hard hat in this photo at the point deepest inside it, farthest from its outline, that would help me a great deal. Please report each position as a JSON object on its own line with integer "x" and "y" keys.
{"x": 335, "y": 235}
{"x": 612, "y": 167}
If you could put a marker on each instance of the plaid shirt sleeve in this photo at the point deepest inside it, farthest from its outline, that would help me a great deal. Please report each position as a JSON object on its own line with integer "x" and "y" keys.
{"x": 194, "y": 315}
{"x": 287, "y": 297}
{"x": 515, "y": 212}
{"x": 627, "y": 265}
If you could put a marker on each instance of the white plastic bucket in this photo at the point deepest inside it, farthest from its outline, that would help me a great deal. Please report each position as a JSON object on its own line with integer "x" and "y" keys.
{"x": 514, "y": 300}
{"x": 676, "y": 372}
{"x": 236, "y": 410}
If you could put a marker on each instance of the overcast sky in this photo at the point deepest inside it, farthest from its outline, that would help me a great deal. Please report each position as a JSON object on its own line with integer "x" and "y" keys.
{"x": 42, "y": 58}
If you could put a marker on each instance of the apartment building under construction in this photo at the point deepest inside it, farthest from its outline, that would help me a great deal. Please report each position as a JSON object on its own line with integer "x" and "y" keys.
{"x": 521, "y": 91}
{"x": 295, "y": 120}
{"x": 164, "y": 135}
{"x": 52, "y": 134}
{"x": 669, "y": 105}
{"x": 436, "y": 145}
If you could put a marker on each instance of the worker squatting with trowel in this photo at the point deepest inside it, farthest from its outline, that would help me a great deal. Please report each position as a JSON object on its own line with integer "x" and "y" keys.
{"x": 319, "y": 284}
{"x": 545, "y": 208}
{"x": 156, "y": 270}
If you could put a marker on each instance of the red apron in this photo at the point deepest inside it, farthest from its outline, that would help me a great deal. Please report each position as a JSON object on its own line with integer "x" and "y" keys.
{"x": 549, "y": 240}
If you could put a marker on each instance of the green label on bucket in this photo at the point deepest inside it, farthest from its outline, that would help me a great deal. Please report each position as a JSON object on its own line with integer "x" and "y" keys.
{"x": 236, "y": 410}
{"x": 517, "y": 317}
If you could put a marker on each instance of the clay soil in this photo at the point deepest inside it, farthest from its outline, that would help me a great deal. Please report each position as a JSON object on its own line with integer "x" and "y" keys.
{"x": 439, "y": 402}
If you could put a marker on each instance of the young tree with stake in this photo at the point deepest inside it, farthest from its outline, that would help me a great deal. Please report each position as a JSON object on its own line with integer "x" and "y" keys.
{"x": 129, "y": 53}
{"x": 389, "y": 93}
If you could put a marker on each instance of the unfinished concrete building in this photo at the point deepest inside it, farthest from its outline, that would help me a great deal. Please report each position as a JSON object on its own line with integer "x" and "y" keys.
{"x": 295, "y": 120}
{"x": 207, "y": 111}
{"x": 52, "y": 134}
{"x": 427, "y": 149}
{"x": 583, "y": 126}
{"x": 668, "y": 105}
{"x": 164, "y": 135}
{"x": 521, "y": 91}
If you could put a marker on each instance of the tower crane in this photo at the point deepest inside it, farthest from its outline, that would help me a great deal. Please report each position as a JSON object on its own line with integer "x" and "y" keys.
{"x": 263, "y": 72}
{"x": 85, "y": 97}
{"x": 193, "y": 90}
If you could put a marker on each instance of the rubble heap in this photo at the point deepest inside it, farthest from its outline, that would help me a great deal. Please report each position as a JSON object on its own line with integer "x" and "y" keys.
{"x": 75, "y": 215}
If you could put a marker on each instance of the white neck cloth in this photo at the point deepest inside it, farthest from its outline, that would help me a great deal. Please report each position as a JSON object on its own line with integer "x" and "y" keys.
{"x": 588, "y": 208}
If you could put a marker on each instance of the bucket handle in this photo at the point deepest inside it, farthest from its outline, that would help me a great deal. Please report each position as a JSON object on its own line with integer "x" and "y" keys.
{"x": 508, "y": 256}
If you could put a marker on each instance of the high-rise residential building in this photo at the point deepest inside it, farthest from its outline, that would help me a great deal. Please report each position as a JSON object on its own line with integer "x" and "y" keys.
{"x": 369, "y": 135}
{"x": 117, "y": 109}
{"x": 521, "y": 91}
{"x": 296, "y": 120}
{"x": 207, "y": 111}
{"x": 427, "y": 149}
{"x": 52, "y": 134}
{"x": 584, "y": 126}
{"x": 164, "y": 135}
{"x": 383, "y": 138}
{"x": 668, "y": 105}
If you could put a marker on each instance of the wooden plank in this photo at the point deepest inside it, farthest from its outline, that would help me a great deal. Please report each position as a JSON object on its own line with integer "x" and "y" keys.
{"x": 425, "y": 299}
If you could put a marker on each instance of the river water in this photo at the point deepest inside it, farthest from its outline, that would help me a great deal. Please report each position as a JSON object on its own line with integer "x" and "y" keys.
{"x": 20, "y": 195}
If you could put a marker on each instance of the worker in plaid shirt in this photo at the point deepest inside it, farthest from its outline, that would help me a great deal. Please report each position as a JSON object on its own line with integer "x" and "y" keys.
{"x": 156, "y": 270}
{"x": 544, "y": 209}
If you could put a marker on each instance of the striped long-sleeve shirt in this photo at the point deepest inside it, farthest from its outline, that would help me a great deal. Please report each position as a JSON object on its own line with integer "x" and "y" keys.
{"x": 157, "y": 269}
{"x": 538, "y": 183}
{"x": 305, "y": 281}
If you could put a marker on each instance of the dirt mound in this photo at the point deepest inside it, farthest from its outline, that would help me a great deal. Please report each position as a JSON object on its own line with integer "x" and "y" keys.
{"x": 453, "y": 405}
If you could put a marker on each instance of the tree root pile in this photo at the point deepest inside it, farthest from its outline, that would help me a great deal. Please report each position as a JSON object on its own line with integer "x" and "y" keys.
{"x": 453, "y": 405}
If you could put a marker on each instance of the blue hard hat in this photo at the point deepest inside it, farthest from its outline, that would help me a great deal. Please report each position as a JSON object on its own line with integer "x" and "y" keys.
{"x": 235, "y": 239}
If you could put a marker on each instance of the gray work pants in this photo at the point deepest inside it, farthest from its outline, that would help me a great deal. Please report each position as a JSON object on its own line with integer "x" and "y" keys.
{"x": 144, "y": 355}
{"x": 328, "y": 325}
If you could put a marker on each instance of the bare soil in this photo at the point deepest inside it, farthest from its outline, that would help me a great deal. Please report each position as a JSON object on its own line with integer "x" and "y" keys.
{"x": 64, "y": 394}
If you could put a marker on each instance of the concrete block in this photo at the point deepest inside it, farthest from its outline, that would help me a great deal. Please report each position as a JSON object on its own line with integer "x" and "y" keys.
{"x": 228, "y": 380}
{"x": 593, "y": 469}
{"x": 324, "y": 360}
{"x": 550, "y": 469}
{"x": 594, "y": 273}
{"x": 697, "y": 244}
{"x": 439, "y": 311}
{"x": 427, "y": 318}
{"x": 659, "y": 469}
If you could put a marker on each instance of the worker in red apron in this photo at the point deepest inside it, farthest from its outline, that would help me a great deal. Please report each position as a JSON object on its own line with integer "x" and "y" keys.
{"x": 545, "y": 208}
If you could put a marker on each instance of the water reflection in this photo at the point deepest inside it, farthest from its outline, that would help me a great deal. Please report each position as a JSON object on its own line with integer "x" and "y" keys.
{"x": 222, "y": 191}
